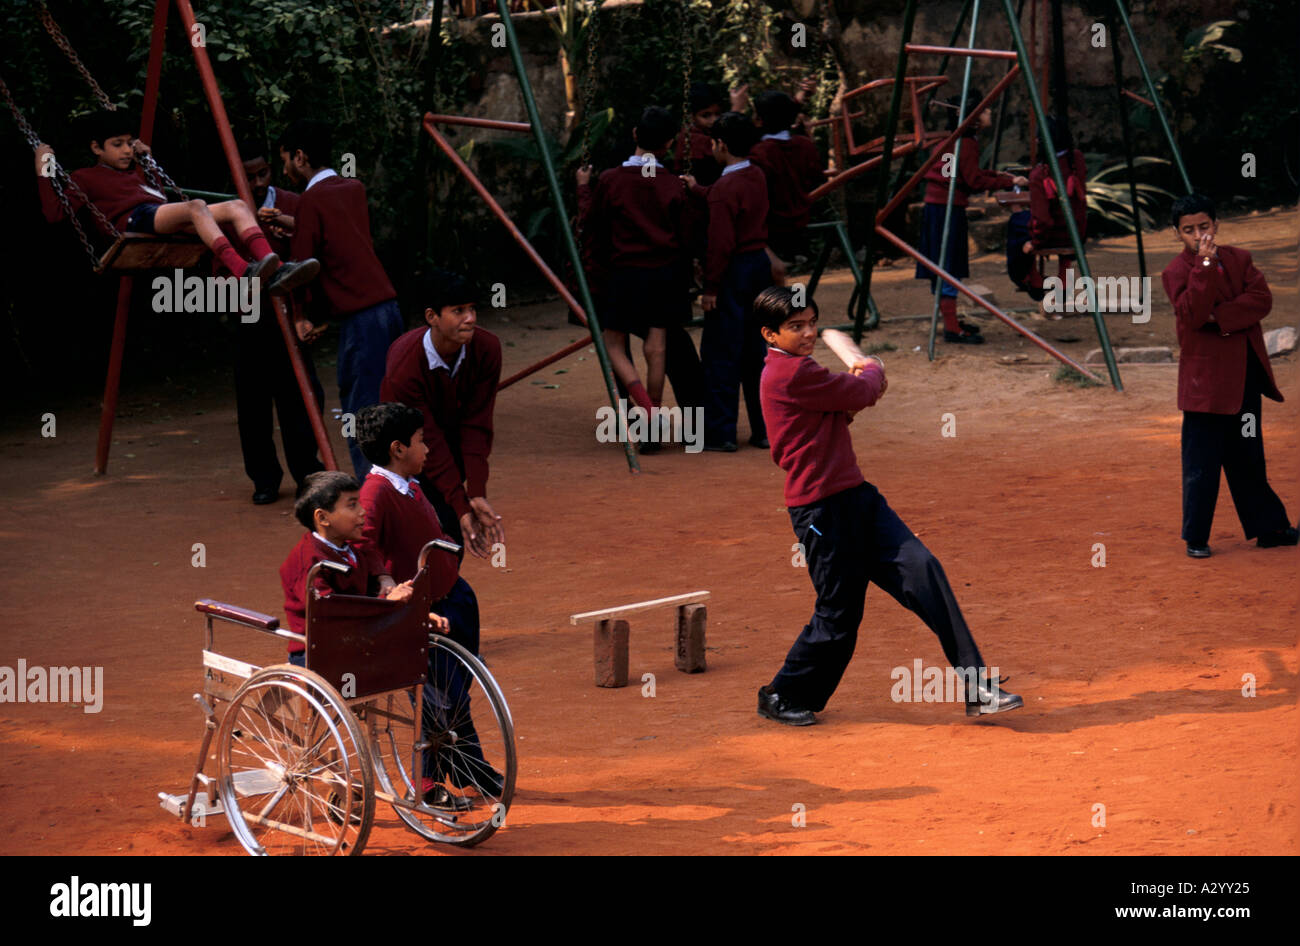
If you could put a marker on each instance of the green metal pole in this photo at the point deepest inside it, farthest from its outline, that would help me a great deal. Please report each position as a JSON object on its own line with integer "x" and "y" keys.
{"x": 1062, "y": 195}
{"x": 1155, "y": 96}
{"x": 882, "y": 182}
{"x": 1002, "y": 106}
{"x": 939, "y": 284}
{"x": 562, "y": 214}
{"x": 1128, "y": 143}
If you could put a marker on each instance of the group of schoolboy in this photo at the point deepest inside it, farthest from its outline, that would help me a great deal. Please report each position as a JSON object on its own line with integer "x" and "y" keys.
{"x": 646, "y": 229}
{"x": 732, "y": 199}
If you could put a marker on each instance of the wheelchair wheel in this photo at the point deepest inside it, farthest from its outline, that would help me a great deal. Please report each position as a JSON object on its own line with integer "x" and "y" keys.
{"x": 469, "y": 753}
{"x": 293, "y": 768}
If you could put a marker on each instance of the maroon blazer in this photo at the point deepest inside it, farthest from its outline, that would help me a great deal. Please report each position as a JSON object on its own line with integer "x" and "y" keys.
{"x": 1218, "y": 312}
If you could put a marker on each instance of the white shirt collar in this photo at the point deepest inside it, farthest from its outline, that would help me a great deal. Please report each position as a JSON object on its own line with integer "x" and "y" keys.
{"x": 640, "y": 160}
{"x": 270, "y": 197}
{"x": 783, "y": 135}
{"x": 735, "y": 167}
{"x": 320, "y": 176}
{"x": 403, "y": 486}
{"x": 345, "y": 550}
{"x": 435, "y": 359}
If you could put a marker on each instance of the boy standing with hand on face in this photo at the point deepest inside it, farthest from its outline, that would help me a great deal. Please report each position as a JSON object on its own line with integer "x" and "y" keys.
{"x": 1219, "y": 299}
{"x": 849, "y": 534}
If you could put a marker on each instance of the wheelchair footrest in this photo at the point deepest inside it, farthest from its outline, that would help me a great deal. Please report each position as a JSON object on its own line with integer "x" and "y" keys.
{"x": 202, "y": 807}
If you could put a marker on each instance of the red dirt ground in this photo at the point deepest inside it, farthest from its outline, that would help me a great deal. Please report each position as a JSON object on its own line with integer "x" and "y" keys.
{"x": 1131, "y": 673}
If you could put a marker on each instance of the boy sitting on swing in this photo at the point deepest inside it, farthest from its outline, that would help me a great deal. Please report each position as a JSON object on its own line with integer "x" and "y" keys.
{"x": 124, "y": 196}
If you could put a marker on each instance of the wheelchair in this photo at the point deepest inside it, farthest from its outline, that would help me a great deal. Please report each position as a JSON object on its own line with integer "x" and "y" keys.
{"x": 304, "y": 756}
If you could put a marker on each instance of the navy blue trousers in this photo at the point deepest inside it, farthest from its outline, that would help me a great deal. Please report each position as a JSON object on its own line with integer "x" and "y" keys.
{"x": 851, "y": 539}
{"x": 1214, "y": 442}
{"x": 733, "y": 351}
{"x": 364, "y": 338}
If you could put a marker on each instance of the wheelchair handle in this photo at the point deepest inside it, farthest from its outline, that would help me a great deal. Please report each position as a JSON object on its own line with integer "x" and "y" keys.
{"x": 443, "y": 544}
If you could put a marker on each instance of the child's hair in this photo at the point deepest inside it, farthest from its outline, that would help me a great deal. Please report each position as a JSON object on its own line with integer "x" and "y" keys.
{"x": 440, "y": 288}
{"x": 1191, "y": 205}
{"x": 973, "y": 98}
{"x": 380, "y": 424}
{"x": 704, "y": 96}
{"x": 775, "y": 306}
{"x": 736, "y": 131}
{"x": 102, "y": 125}
{"x": 321, "y": 491}
{"x": 309, "y": 136}
{"x": 1061, "y": 137}
{"x": 776, "y": 110}
{"x": 655, "y": 129}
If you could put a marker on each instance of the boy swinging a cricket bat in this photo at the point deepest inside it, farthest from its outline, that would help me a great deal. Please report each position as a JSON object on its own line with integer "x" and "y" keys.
{"x": 849, "y": 534}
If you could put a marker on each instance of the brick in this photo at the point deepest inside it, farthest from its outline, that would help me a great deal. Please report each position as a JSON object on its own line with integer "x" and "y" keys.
{"x": 610, "y": 639}
{"x": 691, "y": 622}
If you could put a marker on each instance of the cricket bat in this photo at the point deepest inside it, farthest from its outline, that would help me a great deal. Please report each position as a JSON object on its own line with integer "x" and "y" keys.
{"x": 842, "y": 344}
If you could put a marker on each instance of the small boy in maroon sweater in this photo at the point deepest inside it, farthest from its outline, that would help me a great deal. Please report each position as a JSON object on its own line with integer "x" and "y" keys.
{"x": 329, "y": 507}
{"x": 449, "y": 370}
{"x": 399, "y": 522}
{"x": 849, "y": 534}
{"x": 697, "y": 141}
{"x": 122, "y": 193}
{"x": 333, "y": 224}
{"x": 792, "y": 167}
{"x": 736, "y": 269}
{"x": 636, "y": 227}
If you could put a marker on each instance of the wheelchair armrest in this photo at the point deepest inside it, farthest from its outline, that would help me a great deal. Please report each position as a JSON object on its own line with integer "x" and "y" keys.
{"x": 228, "y": 612}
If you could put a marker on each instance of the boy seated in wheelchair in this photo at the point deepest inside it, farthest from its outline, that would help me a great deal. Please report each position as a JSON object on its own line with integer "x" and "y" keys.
{"x": 398, "y": 522}
{"x": 329, "y": 506}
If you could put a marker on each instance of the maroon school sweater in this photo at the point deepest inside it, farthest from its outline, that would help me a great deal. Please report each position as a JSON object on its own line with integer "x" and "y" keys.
{"x": 457, "y": 411}
{"x": 971, "y": 178}
{"x": 293, "y": 578}
{"x": 792, "y": 168}
{"x": 116, "y": 193}
{"x": 636, "y": 220}
{"x": 333, "y": 225}
{"x": 398, "y": 526}
{"x": 805, "y": 409}
{"x": 286, "y": 201}
{"x": 737, "y": 221}
{"x": 704, "y": 166}
{"x": 1046, "y": 222}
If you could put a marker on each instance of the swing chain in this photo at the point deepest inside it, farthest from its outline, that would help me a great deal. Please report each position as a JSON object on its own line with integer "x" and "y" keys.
{"x": 158, "y": 178}
{"x": 592, "y": 40}
{"x": 684, "y": 159}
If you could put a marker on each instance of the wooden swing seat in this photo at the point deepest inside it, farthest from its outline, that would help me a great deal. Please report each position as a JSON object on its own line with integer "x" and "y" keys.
{"x": 136, "y": 252}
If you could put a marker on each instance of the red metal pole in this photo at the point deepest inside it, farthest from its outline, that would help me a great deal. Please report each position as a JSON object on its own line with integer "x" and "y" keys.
{"x": 500, "y": 214}
{"x": 957, "y": 284}
{"x": 109, "y": 410}
{"x": 564, "y": 352}
{"x": 236, "y": 166}
{"x": 157, "y": 43}
{"x": 941, "y": 148}
{"x": 961, "y": 51}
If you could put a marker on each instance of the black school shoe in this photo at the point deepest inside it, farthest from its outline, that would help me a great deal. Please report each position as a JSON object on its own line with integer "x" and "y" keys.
{"x": 991, "y": 698}
{"x": 292, "y": 275}
{"x": 438, "y": 797}
{"x": 761, "y": 442}
{"x": 1197, "y": 551}
{"x": 264, "y": 497}
{"x": 1287, "y": 536}
{"x": 963, "y": 338}
{"x": 772, "y": 706}
{"x": 726, "y": 447}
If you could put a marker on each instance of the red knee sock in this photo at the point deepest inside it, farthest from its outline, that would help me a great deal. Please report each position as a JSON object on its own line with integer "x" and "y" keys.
{"x": 255, "y": 240}
{"x": 637, "y": 392}
{"x": 229, "y": 258}
{"x": 948, "y": 309}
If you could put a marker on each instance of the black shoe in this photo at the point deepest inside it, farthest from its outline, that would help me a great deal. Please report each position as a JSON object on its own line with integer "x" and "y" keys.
{"x": 292, "y": 275}
{"x": 963, "y": 338}
{"x": 728, "y": 446}
{"x": 772, "y": 706}
{"x": 968, "y": 329}
{"x": 991, "y": 698}
{"x": 1287, "y": 536}
{"x": 438, "y": 797}
{"x": 260, "y": 268}
{"x": 761, "y": 442}
{"x": 1038, "y": 295}
{"x": 484, "y": 779}
{"x": 1198, "y": 551}
{"x": 264, "y": 497}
